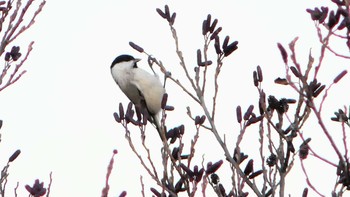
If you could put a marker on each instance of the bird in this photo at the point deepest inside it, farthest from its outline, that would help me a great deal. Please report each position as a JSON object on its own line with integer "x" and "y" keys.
{"x": 143, "y": 89}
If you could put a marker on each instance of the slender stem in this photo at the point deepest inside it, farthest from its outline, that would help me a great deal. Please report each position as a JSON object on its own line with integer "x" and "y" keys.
{"x": 325, "y": 131}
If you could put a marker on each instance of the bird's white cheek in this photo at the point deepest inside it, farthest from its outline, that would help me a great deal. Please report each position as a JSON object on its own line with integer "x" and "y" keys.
{"x": 121, "y": 77}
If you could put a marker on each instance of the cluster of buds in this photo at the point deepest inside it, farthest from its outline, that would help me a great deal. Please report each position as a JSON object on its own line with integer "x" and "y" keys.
{"x": 239, "y": 156}
{"x": 199, "y": 120}
{"x": 142, "y": 114}
{"x": 320, "y": 15}
{"x": 249, "y": 116}
{"x": 14, "y": 155}
{"x": 37, "y": 189}
{"x": 343, "y": 171}
{"x": 193, "y": 175}
{"x": 314, "y": 89}
{"x": 128, "y": 115}
{"x": 209, "y": 29}
{"x": 257, "y": 76}
{"x": 304, "y": 149}
{"x": 167, "y": 15}
{"x": 341, "y": 116}
{"x": 271, "y": 160}
{"x": 337, "y": 20}
{"x": 200, "y": 62}
{"x": 14, "y": 54}
{"x": 175, "y": 133}
{"x": 176, "y": 154}
{"x": 281, "y": 106}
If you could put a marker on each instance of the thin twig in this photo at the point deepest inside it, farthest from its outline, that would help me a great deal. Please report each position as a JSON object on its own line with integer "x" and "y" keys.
{"x": 49, "y": 186}
{"x": 325, "y": 131}
{"x": 15, "y": 190}
{"x": 308, "y": 180}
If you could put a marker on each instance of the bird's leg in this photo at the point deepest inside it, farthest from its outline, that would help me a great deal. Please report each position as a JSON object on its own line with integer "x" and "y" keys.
{"x": 150, "y": 61}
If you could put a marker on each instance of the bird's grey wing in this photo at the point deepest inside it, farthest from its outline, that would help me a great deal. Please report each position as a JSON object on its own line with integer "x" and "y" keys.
{"x": 144, "y": 108}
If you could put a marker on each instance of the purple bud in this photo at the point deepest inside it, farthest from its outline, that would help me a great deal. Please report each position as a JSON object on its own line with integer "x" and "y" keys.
{"x": 304, "y": 149}
{"x": 129, "y": 108}
{"x": 215, "y": 33}
{"x": 283, "y": 53}
{"x": 305, "y": 192}
{"x": 187, "y": 170}
{"x": 169, "y": 108}
{"x": 199, "y": 57}
{"x": 281, "y": 81}
{"x": 239, "y": 114}
{"x": 260, "y": 75}
{"x": 214, "y": 167}
{"x": 181, "y": 129}
{"x": 248, "y": 112}
{"x": 207, "y": 63}
{"x": 172, "y": 19}
{"x": 332, "y": 20}
{"x": 167, "y": 12}
{"x": 253, "y": 120}
{"x": 116, "y": 117}
{"x": 202, "y": 120}
{"x": 341, "y": 75}
{"x": 164, "y": 100}
{"x": 295, "y": 71}
{"x": 255, "y": 174}
{"x": 212, "y": 27}
{"x": 323, "y": 14}
{"x": 123, "y": 194}
{"x": 199, "y": 175}
{"x": 178, "y": 185}
{"x": 161, "y": 13}
{"x": 121, "y": 111}
{"x": 14, "y": 49}
{"x": 208, "y": 21}
{"x": 255, "y": 78}
{"x": 290, "y": 147}
{"x": 217, "y": 45}
{"x": 155, "y": 192}
{"x": 195, "y": 170}
{"x": 291, "y": 101}
{"x": 318, "y": 91}
{"x": 224, "y": 45}
{"x": 136, "y": 47}
{"x": 230, "y": 48}
{"x": 7, "y": 56}
{"x": 197, "y": 119}
{"x": 204, "y": 28}
{"x": 16, "y": 56}
{"x": 249, "y": 167}
{"x": 14, "y": 155}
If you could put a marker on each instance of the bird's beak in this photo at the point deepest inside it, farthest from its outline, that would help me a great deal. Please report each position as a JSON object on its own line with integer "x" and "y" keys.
{"x": 137, "y": 59}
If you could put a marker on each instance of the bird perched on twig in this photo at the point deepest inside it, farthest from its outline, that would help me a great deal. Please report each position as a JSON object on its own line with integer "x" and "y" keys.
{"x": 142, "y": 88}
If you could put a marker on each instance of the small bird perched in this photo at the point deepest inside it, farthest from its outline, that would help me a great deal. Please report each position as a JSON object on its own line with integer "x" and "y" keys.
{"x": 142, "y": 88}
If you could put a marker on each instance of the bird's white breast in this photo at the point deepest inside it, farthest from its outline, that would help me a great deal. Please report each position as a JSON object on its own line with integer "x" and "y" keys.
{"x": 136, "y": 81}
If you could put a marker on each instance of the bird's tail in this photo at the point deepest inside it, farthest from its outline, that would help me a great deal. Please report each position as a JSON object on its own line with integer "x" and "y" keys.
{"x": 152, "y": 118}
{"x": 157, "y": 124}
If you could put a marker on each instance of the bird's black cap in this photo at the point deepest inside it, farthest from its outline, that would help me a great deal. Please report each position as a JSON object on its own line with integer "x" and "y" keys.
{"x": 122, "y": 58}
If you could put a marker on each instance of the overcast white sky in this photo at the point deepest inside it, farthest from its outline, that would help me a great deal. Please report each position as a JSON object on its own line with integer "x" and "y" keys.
{"x": 60, "y": 112}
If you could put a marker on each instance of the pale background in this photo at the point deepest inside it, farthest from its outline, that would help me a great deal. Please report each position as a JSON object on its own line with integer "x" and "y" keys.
{"x": 60, "y": 112}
